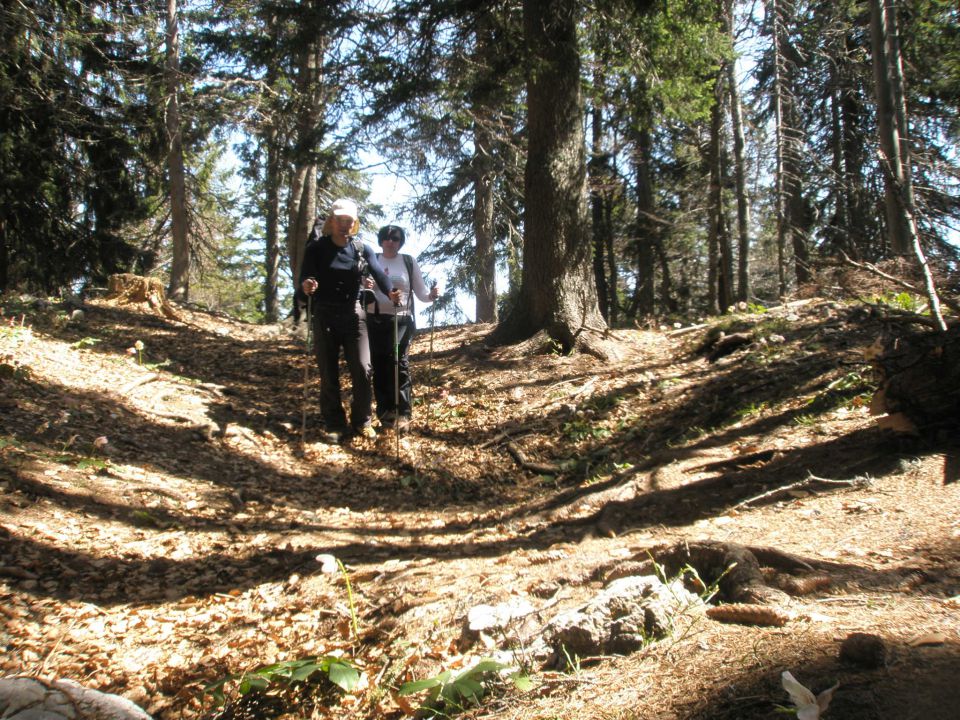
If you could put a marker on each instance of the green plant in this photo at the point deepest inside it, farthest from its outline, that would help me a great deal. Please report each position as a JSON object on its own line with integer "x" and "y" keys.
{"x": 602, "y": 403}
{"x": 573, "y": 663}
{"x": 92, "y": 463}
{"x": 287, "y": 674}
{"x": 751, "y": 410}
{"x": 447, "y": 692}
{"x": 13, "y": 370}
{"x": 353, "y": 610}
{"x": 85, "y": 342}
{"x": 900, "y": 301}
{"x": 706, "y": 592}
{"x": 577, "y": 430}
{"x": 853, "y": 380}
{"x": 756, "y": 308}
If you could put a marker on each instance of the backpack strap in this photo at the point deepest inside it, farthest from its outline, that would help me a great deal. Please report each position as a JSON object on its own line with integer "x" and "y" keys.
{"x": 408, "y": 262}
{"x": 360, "y": 264}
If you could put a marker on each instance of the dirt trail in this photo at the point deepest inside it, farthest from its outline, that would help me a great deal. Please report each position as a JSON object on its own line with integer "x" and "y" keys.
{"x": 163, "y": 524}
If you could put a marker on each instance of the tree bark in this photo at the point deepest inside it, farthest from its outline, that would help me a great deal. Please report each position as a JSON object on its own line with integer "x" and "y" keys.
{"x": 647, "y": 230}
{"x": 739, "y": 168}
{"x": 271, "y": 288}
{"x": 557, "y": 291}
{"x": 599, "y": 209}
{"x": 893, "y": 136}
{"x": 303, "y": 191}
{"x": 179, "y": 288}
{"x": 773, "y": 9}
{"x": 483, "y": 186}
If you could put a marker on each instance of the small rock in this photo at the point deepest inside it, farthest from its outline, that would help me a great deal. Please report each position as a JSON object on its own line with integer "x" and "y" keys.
{"x": 27, "y": 698}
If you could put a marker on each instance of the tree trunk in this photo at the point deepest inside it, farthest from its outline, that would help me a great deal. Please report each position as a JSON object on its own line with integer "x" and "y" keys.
{"x": 739, "y": 168}
{"x": 773, "y": 9}
{"x": 179, "y": 288}
{"x": 483, "y": 185}
{"x": 891, "y": 124}
{"x": 483, "y": 206}
{"x": 646, "y": 239}
{"x": 303, "y": 191}
{"x": 557, "y": 291}
{"x": 271, "y": 290}
{"x": 718, "y": 300}
{"x": 851, "y": 122}
{"x": 599, "y": 208}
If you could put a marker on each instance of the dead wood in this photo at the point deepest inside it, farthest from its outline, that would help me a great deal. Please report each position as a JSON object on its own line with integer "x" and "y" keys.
{"x": 919, "y": 378}
{"x": 522, "y": 460}
{"x": 807, "y": 482}
{"x": 126, "y": 288}
{"x": 727, "y": 344}
{"x": 733, "y": 567}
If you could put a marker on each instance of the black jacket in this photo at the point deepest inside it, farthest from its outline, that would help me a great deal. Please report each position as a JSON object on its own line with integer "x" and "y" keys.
{"x": 339, "y": 271}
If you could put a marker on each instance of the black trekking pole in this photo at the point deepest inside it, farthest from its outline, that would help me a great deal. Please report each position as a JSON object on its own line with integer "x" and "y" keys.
{"x": 306, "y": 377}
{"x": 396, "y": 375}
{"x": 433, "y": 314}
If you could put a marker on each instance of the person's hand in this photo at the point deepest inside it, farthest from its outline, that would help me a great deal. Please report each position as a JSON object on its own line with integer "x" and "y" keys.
{"x": 368, "y": 283}
{"x": 309, "y": 286}
{"x": 434, "y": 291}
{"x": 395, "y": 296}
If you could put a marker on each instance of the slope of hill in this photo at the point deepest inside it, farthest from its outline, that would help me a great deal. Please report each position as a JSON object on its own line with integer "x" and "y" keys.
{"x": 165, "y": 522}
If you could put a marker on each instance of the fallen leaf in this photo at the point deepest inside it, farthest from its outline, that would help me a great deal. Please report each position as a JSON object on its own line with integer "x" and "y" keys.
{"x": 927, "y": 639}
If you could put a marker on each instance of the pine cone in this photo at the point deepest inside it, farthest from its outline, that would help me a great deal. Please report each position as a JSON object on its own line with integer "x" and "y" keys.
{"x": 745, "y": 614}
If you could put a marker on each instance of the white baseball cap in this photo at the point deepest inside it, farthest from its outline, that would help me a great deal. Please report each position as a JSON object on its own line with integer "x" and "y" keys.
{"x": 344, "y": 207}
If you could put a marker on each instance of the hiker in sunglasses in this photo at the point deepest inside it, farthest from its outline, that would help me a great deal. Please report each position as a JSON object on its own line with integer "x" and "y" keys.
{"x": 334, "y": 265}
{"x": 394, "y": 401}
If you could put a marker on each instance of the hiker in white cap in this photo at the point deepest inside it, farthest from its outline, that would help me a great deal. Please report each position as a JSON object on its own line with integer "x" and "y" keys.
{"x": 331, "y": 277}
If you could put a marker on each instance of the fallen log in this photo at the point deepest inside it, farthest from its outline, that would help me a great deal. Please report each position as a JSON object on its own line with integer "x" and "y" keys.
{"x": 919, "y": 383}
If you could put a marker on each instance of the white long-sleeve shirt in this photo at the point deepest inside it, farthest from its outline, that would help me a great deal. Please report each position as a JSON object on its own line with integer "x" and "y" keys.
{"x": 396, "y": 271}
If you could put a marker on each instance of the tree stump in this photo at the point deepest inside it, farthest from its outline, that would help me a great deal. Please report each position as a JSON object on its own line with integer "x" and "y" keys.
{"x": 127, "y": 288}
{"x": 919, "y": 383}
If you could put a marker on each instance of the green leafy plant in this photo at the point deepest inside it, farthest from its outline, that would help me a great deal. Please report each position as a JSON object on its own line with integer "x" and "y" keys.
{"x": 92, "y": 463}
{"x": 751, "y": 410}
{"x": 448, "y": 693}
{"x": 900, "y": 301}
{"x": 287, "y": 674}
{"x": 14, "y": 371}
{"x": 578, "y": 430}
{"x": 85, "y": 342}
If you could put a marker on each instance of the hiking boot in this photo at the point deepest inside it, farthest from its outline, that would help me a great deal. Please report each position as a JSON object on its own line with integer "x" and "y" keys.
{"x": 366, "y": 432}
{"x": 332, "y": 437}
{"x": 403, "y": 422}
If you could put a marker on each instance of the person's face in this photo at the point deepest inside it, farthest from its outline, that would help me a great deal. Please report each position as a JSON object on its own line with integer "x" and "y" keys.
{"x": 342, "y": 224}
{"x": 391, "y": 246}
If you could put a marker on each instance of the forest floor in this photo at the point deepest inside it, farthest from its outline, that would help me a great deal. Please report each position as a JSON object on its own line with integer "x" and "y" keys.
{"x": 164, "y": 523}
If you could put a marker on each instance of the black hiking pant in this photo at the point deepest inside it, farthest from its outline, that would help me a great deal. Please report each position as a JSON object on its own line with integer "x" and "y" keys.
{"x": 336, "y": 327}
{"x": 381, "y": 352}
